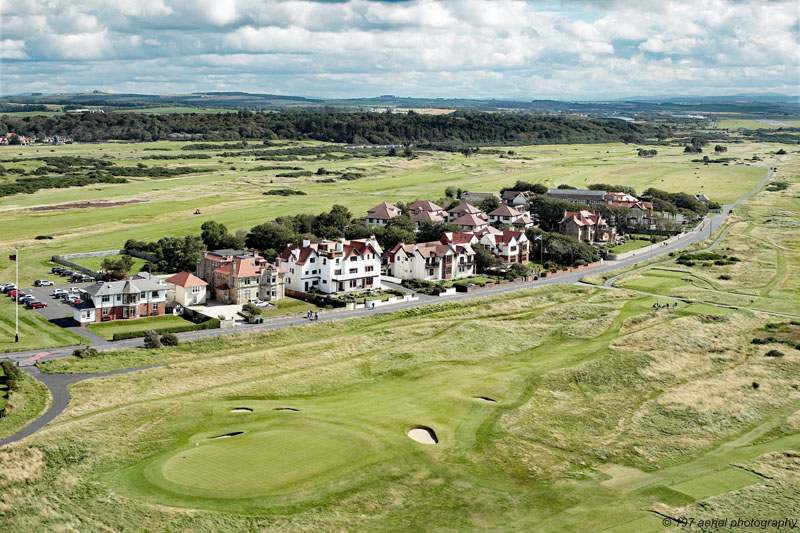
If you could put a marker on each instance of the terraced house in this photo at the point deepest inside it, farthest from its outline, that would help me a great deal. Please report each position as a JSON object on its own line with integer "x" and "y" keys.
{"x": 135, "y": 297}
{"x": 432, "y": 261}
{"x": 333, "y": 267}
{"x": 237, "y": 276}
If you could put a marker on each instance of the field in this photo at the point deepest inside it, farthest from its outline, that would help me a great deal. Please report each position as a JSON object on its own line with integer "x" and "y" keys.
{"x": 305, "y": 428}
{"x": 633, "y": 242}
{"x": 95, "y": 263}
{"x": 230, "y": 192}
{"x": 566, "y": 408}
{"x": 35, "y": 332}
{"x": 107, "y": 329}
{"x": 762, "y": 233}
{"x": 755, "y": 124}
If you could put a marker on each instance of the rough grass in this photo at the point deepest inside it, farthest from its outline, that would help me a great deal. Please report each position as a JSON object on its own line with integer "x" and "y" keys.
{"x": 585, "y": 432}
{"x": 23, "y": 405}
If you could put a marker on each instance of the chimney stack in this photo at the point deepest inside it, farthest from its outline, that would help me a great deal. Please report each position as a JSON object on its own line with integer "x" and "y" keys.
{"x": 306, "y": 242}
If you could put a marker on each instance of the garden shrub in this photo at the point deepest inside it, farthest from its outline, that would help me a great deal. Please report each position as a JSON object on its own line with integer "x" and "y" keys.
{"x": 169, "y": 339}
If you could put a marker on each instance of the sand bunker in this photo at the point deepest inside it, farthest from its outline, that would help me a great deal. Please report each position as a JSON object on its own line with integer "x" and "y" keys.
{"x": 226, "y": 435}
{"x": 285, "y": 409}
{"x": 422, "y": 434}
{"x": 241, "y": 410}
{"x": 486, "y": 399}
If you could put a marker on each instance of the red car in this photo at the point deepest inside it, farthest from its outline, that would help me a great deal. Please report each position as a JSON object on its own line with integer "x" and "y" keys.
{"x": 38, "y": 305}
{"x": 16, "y": 293}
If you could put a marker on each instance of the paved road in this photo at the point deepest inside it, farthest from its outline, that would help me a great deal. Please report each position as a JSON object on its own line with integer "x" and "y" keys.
{"x": 57, "y": 384}
{"x": 694, "y": 237}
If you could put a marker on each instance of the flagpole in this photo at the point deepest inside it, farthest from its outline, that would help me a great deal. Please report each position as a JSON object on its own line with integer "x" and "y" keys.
{"x": 16, "y": 300}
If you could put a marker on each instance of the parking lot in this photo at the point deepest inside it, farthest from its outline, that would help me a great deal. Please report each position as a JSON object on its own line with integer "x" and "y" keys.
{"x": 56, "y": 310}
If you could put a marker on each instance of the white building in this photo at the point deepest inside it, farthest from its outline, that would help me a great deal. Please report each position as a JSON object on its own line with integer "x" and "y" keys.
{"x": 432, "y": 261}
{"x": 186, "y": 289}
{"x": 115, "y": 300}
{"x": 333, "y": 266}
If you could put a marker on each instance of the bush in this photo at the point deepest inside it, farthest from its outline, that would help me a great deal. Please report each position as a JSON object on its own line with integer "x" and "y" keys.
{"x": 11, "y": 384}
{"x": 755, "y": 385}
{"x": 84, "y": 353}
{"x": 43, "y": 237}
{"x": 10, "y": 369}
{"x": 151, "y": 339}
{"x": 724, "y": 276}
{"x": 169, "y": 339}
{"x": 758, "y": 340}
{"x": 773, "y": 353}
{"x": 250, "y": 309}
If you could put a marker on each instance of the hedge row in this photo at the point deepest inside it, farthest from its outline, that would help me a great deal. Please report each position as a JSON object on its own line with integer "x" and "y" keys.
{"x": 212, "y": 323}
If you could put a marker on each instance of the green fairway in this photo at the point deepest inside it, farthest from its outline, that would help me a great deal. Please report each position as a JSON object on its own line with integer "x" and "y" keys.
{"x": 108, "y": 329}
{"x": 717, "y": 482}
{"x": 95, "y": 263}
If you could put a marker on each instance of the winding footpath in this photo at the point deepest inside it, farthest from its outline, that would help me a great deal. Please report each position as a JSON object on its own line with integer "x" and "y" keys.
{"x": 58, "y": 383}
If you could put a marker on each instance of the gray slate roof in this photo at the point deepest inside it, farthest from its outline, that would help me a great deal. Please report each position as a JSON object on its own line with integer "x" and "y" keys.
{"x": 576, "y": 192}
{"x": 124, "y": 287}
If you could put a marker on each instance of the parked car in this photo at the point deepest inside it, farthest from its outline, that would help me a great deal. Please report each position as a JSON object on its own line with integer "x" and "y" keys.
{"x": 5, "y": 287}
{"x": 74, "y": 300}
{"x": 37, "y": 305}
{"x": 66, "y": 273}
{"x": 258, "y": 303}
{"x": 84, "y": 278}
{"x": 74, "y": 290}
{"x": 57, "y": 270}
{"x": 27, "y": 298}
{"x": 58, "y": 293}
{"x": 43, "y": 283}
{"x": 16, "y": 293}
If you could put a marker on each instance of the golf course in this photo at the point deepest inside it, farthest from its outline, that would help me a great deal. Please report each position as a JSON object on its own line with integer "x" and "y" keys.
{"x": 561, "y": 408}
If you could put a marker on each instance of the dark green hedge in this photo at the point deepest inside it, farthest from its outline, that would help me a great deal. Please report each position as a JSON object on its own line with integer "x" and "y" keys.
{"x": 212, "y": 323}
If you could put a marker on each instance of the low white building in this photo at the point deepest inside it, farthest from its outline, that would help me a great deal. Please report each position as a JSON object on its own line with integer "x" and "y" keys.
{"x": 333, "y": 266}
{"x": 186, "y": 289}
{"x": 432, "y": 261}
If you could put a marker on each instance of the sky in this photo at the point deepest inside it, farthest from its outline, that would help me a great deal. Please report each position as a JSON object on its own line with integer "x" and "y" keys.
{"x": 581, "y": 50}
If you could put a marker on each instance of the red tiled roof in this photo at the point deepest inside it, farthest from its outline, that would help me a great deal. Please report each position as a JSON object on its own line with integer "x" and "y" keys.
{"x": 427, "y": 216}
{"x": 465, "y": 208}
{"x": 469, "y": 220}
{"x": 583, "y": 218}
{"x": 505, "y": 211}
{"x": 186, "y": 279}
{"x": 425, "y": 205}
{"x": 383, "y": 211}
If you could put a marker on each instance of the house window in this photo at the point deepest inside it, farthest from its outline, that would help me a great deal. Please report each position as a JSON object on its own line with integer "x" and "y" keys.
{"x": 196, "y": 288}
{"x": 352, "y": 283}
{"x": 353, "y": 271}
{"x": 337, "y": 272}
{"x": 369, "y": 268}
{"x": 155, "y": 294}
{"x": 354, "y": 258}
{"x": 324, "y": 261}
{"x": 143, "y": 295}
{"x": 105, "y": 311}
{"x": 105, "y": 298}
{"x": 312, "y": 260}
{"x": 155, "y": 307}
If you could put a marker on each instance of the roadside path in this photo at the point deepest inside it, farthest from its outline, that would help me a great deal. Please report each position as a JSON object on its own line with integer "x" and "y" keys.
{"x": 58, "y": 385}
{"x": 694, "y": 236}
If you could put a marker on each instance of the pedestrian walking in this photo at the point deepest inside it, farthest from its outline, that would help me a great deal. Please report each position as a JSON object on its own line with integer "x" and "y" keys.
{"x": 316, "y": 315}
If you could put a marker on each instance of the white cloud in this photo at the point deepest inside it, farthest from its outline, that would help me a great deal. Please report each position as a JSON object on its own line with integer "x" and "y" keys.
{"x": 427, "y": 47}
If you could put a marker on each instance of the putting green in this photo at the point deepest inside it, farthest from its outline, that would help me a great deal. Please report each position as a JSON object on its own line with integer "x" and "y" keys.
{"x": 258, "y": 462}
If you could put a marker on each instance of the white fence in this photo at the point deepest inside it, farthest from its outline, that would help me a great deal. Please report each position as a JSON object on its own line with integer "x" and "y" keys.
{"x": 373, "y": 304}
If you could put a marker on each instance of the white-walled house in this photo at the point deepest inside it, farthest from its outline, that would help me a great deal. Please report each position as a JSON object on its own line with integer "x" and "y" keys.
{"x": 381, "y": 214}
{"x": 432, "y": 261}
{"x": 134, "y": 297}
{"x": 186, "y": 289}
{"x": 333, "y": 266}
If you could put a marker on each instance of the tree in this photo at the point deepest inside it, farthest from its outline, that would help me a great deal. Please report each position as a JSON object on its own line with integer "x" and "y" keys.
{"x": 402, "y": 222}
{"x": 250, "y": 309}
{"x": 179, "y": 253}
{"x": 450, "y": 192}
{"x": 117, "y": 267}
{"x": 392, "y": 235}
{"x": 216, "y": 236}
{"x": 270, "y": 235}
{"x": 691, "y": 149}
{"x": 522, "y": 186}
{"x": 408, "y": 152}
{"x": 484, "y": 259}
{"x": 392, "y": 152}
{"x": 490, "y": 204}
{"x": 14, "y": 139}
{"x": 518, "y": 270}
{"x": 433, "y": 231}
{"x": 720, "y": 149}
{"x": 565, "y": 186}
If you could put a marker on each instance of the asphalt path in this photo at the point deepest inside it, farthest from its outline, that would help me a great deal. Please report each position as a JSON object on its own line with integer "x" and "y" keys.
{"x": 58, "y": 383}
{"x": 703, "y": 231}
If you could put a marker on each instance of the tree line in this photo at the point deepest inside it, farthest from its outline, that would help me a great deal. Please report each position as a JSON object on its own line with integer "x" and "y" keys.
{"x": 471, "y": 127}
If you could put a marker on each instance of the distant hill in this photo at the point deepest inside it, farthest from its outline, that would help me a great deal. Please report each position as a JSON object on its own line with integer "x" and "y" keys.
{"x": 769, "y": 104}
